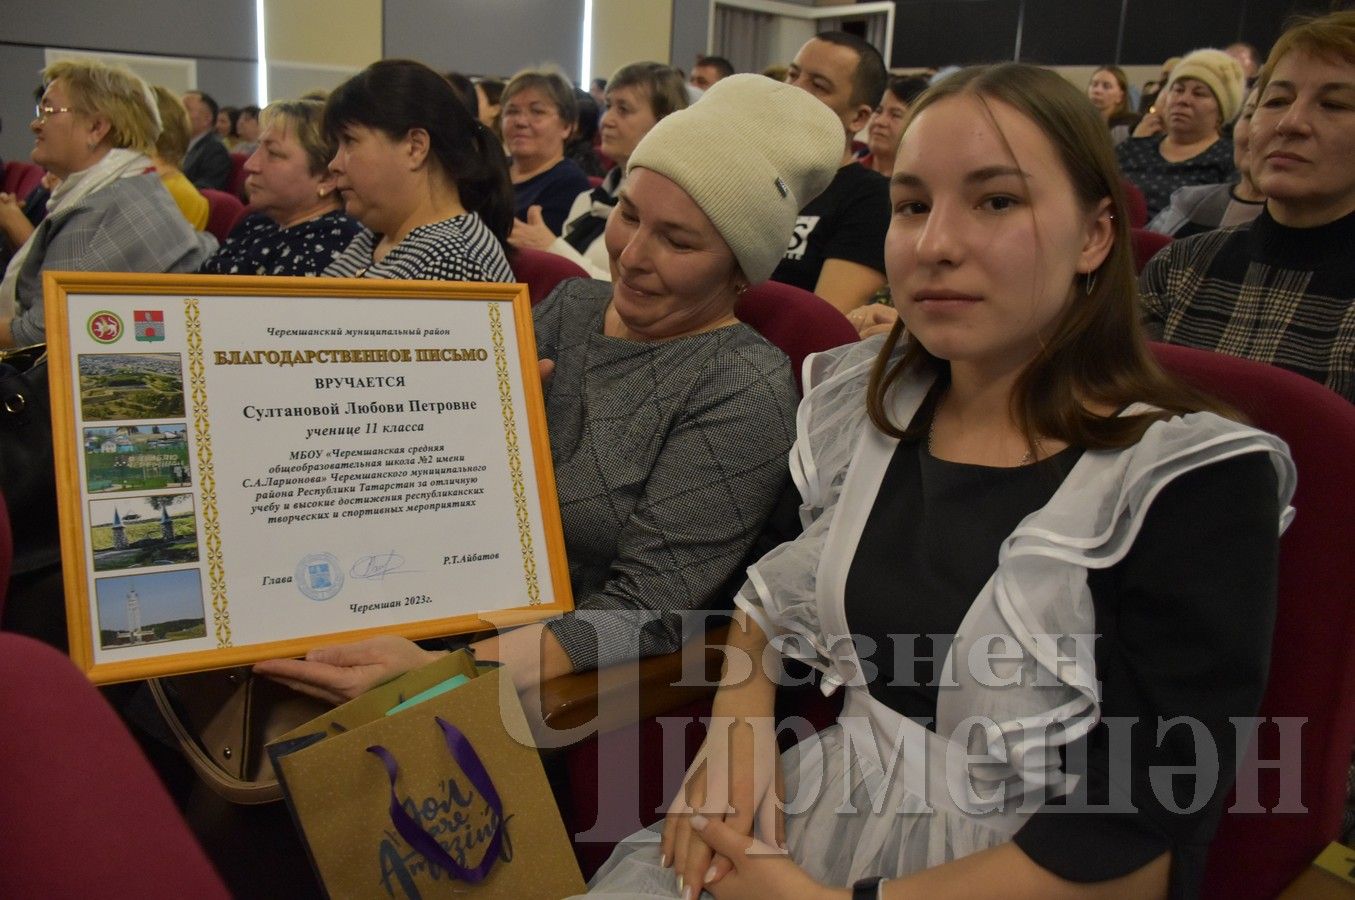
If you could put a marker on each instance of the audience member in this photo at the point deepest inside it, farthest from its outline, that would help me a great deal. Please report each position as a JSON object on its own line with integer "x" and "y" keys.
{"x": 169, "y": 151}
{"x": 886, "y": 123}
{"x": 658, "y": 514}
{"x": 837, "y": 247}
{"x": 1204, "y": 93}
{"x": 95, "y": 126}
{"x": 597, "y": 89}
{"x": 488, "y": 91}
{"x": 539, "y": 114}
{"x": 415, "y": 168}
{"x": 247, "y": 130}
{"x": 1152, "y": 89}
{"x": 1282, "y": 288}
{"x": 1011, "y": 470}
{"x": 579, "y": 147}
{"x": 1109, "y": 93}
{"x": 226, "y": 117}
{"x": 1247, "y": 58}
{"x": 297, "y": 225}
{"x": 1209, "y": 206}
{"x": 638, "y": 96}
{"x": 207, "y": 162}
{"x": 710, "y": 69}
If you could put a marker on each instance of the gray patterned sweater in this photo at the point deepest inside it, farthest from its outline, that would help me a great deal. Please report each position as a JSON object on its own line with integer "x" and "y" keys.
{"x": 668, "y": 458}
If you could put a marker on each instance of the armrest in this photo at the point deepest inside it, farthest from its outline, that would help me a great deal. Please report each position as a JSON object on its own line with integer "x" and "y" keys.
{"x": 604, "y": 696}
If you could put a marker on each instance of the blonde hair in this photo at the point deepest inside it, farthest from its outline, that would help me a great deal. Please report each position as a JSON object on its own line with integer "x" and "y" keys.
{"x": 1331, "y": 36}
{"x": 175, "y": 132}
{"x": 304, "y": 120}
{"x": 113, "y": 93}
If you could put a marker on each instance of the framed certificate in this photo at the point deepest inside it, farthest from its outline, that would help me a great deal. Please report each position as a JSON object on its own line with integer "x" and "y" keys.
{"x": 249, "y": 467}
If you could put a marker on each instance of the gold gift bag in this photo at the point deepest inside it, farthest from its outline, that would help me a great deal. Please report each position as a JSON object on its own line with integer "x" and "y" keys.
{"x": 433, "y": 801}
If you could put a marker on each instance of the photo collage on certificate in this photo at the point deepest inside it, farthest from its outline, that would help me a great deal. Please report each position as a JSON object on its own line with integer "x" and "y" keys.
{"x": 137, "y": 478}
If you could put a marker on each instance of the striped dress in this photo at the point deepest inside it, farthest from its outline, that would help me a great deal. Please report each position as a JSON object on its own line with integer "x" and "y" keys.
{"x": 461, "y": 248}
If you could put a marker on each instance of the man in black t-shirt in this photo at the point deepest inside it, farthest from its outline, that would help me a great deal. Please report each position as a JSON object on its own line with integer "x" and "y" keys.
{"x": 837, "y": 248}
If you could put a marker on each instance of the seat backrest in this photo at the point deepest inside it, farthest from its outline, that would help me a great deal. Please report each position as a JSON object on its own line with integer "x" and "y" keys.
{"x": 1146, "y": 244}
{"x": 1312, "y": 666}
{"x": 6, "y": 554}
{"x": 85, "y": 814}
{"x": 238, "y": 175}
{"x": 225, "y": 212}
{"x": 1137, "y": 204}
{"x": 541, "y": 271}
{"x": 795, "y": 320}
{"x": 21, "y": 178}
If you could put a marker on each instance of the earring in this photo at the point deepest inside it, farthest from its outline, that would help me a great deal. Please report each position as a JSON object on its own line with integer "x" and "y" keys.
{"x": 1091, "y": 282}
{"x": 741, "y": 289}
{"x": 322, "y": 193}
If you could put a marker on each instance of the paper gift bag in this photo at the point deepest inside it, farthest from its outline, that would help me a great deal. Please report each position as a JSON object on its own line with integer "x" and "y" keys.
{"x": 432, "y": 801}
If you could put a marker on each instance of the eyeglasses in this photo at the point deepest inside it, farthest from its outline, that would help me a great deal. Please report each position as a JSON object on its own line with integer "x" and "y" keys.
{"x": 42, "y": 113}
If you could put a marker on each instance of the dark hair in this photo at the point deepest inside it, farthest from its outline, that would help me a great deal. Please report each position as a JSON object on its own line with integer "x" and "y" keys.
{"x": 465, "y": 89}
{"x": 252, "y": 110}
{"x": 493, "y": 88}
{"x": 395, "y": 96}
{"x": 868, "y": 81}
{"x": 211, "y": 104}
{"x": 906, "y": 88}
{"x": 599, "y": 83}
{"x": 1098, "y": 352}
{"x": 586, "y": 120}
{"x": 233, "y": 114}
{"x": 664, "y": 87}
{"x": 718, "y": 63}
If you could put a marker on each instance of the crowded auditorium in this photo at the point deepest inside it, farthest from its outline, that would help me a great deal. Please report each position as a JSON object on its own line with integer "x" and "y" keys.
{"x": 643, "y": 334}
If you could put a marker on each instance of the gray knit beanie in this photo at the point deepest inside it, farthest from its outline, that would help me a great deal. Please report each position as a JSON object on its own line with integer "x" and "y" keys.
{"x": 752, "y": 153}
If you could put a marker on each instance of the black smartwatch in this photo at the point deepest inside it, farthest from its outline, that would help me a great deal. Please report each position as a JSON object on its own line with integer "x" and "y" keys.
{"x": 868, "y": 888}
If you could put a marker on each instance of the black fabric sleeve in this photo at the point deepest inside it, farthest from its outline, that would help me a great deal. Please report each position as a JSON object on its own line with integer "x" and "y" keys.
{"x": 1185, "y": 624}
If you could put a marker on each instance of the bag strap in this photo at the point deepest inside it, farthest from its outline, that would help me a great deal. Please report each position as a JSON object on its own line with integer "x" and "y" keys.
{"x": 469, "y": 761}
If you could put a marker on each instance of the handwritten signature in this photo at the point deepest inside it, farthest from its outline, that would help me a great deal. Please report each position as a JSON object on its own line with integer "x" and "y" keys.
{"x": 379, "y": 566}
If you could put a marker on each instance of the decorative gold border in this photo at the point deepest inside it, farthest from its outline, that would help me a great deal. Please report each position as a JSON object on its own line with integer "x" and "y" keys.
{"x": 510, "y": 438}
{"x": 202, "y": 432}
{"x": 60, "y": 287}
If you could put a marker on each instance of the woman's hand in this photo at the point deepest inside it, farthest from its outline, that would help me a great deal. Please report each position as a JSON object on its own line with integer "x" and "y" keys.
{"x": 338, "y": 674}
{"x": 736, "y": 780}
{"x": 534, "y": 233}
{"x": 13, "y": 222}
{"x": 758, "y": 870}
{"x": 873, "y": 319}
{"x": 1149, "y": 125}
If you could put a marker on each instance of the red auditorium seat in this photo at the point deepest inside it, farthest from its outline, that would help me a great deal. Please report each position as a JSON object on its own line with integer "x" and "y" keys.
{"x": 238, "y": 175}
{"x": 542, "y": 271}
{"x": 21, "y": 178}
{"x": 796, "y": 320}
{"x": 1146, "y": 244}
{"x": 84, "y": 813}
{"x": 226, "y": 212}
{"x": 1312, "y": 666}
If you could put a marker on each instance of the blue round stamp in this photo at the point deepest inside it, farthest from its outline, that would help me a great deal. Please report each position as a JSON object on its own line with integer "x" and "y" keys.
{"x": 318, "y": 576}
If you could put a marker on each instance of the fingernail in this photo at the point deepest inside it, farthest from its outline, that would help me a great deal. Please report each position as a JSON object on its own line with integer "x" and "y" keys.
{"x": 710, "y": 873}
{"x": 689, "y": 894}
{"x": 698, "y": 822}
{"x": 663, "y": 860}
{"x": 680, "y": 890}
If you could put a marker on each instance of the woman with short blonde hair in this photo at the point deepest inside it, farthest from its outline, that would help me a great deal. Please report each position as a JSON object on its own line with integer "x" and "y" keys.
{"x": 170, "y": 148}
{"x": 95, "y": 127}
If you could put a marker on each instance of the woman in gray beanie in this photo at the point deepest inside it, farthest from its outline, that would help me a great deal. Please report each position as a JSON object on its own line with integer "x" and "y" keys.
{"x": 670, "y": 421}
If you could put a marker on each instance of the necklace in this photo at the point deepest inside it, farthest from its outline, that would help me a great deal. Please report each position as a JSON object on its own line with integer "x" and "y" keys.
{"x": 1025, "y": 460}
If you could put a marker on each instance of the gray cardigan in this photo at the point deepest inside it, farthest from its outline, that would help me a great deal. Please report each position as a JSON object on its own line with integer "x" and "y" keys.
{"x": 668, "y": 458}
{"x": 132, "y": 225}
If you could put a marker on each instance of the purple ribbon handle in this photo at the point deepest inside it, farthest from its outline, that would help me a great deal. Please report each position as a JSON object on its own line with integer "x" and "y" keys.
{"x": 469, "y": 761}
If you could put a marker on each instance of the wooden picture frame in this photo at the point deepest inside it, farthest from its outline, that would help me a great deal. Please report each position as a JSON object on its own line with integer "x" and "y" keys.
{"x": 349, "y": 428}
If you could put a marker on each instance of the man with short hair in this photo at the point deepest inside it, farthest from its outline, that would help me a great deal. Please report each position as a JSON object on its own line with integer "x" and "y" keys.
{"x": 207, "y": 163}
{"x": 1280, "y": 289}
{"x": 837, "y": 249}
{"x": 708, "y": 70}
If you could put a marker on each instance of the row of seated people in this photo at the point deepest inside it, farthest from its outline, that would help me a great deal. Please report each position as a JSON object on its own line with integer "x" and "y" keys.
{"x": 711, "y": 194}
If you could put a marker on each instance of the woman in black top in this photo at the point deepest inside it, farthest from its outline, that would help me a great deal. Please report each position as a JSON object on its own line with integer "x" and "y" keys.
{"x": 1043, "y": 571}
